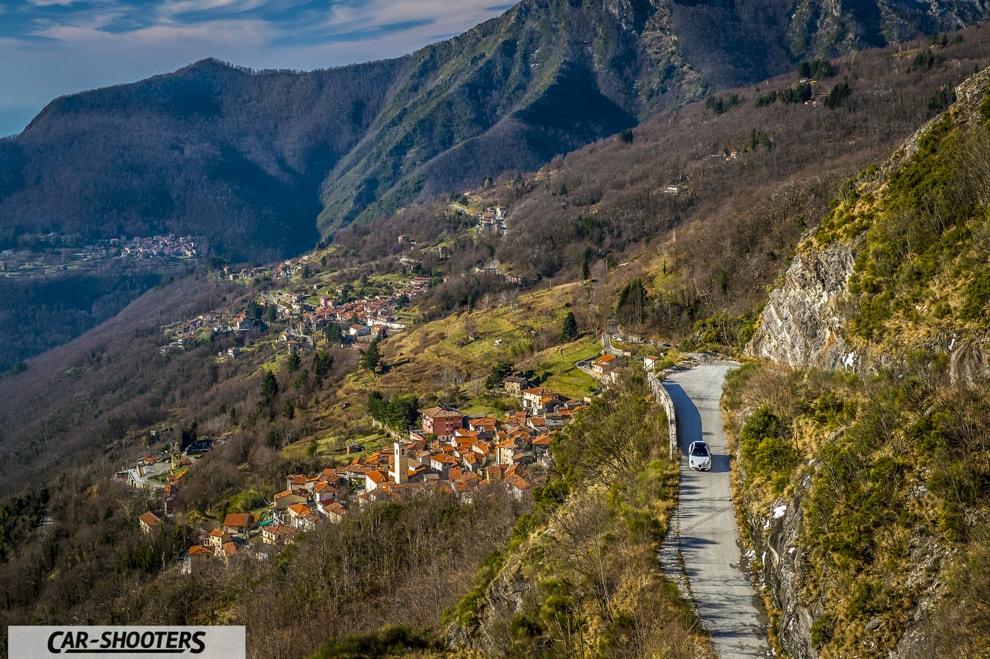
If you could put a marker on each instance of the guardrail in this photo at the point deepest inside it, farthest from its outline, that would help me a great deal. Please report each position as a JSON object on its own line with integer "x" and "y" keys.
{"x": 656, "y": 385}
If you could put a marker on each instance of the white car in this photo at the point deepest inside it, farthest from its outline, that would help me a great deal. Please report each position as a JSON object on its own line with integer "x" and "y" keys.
{"x": 699, "y": 457}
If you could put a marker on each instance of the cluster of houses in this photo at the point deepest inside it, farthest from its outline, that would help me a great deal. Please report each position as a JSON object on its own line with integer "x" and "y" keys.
{"x": 493, "y": 219}
{"x": 448, "y": 451}
{"x": 217, "y": 322}
{"x": 166, "y": 471}
{"x": 284, "y": 270}
{"x": 157, "y": 247}
{"x": 359, "y": 319}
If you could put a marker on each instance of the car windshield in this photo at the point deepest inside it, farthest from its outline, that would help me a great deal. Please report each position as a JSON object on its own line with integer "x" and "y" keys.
{"x": 700, "y": 449}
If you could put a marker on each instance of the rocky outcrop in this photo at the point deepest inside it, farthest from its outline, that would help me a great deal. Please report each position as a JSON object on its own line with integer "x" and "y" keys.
{"x": 968, "y": 362}
{"x": 777, "y": 544}
{"x": 812, "y": 321}
{"x": 503, "y": 599}
{"x": 802, "y": 322}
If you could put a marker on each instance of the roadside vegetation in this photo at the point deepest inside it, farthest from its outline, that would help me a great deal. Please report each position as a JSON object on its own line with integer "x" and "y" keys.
{"x": 891, "y": 471}
{"x": 580, "y": 576}
{"x": 890, "y": 463}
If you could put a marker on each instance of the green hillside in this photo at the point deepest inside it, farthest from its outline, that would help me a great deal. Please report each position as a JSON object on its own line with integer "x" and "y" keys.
{"x": 886, "y": 463}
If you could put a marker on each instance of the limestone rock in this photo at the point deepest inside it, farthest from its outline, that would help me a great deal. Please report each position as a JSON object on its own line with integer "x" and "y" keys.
{"x": 801, "y": 325}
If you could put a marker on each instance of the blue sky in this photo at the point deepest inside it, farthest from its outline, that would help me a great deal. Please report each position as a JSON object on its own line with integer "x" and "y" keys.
{"x": 49, "y": 48}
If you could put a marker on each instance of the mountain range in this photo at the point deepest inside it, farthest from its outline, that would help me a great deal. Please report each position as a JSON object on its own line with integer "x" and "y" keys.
{"x": 261, "y": 165}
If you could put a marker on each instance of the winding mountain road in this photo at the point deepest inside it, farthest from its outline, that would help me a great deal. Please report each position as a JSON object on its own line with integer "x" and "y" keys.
{"x": 705, "y": 530}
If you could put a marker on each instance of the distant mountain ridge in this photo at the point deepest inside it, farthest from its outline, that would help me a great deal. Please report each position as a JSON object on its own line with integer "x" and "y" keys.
{"x": 262, "y": 165}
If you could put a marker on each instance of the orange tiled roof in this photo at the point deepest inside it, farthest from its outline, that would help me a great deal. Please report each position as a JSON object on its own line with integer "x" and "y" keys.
{"x": 377, "y": 477}
{"x": 335, "y": 509}
{"x": 150, "y": 519}
{"x": 440, "y": 412}
{"x": 238, "y": 520}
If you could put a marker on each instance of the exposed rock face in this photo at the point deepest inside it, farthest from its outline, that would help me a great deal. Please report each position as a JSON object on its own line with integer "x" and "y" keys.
{"x": 776, "y": 541}
{"x": 804, "y": 325}
{"x": 503, "y": 600}
{"x": 968, "y": 362}
{"x": 802, "y": 322}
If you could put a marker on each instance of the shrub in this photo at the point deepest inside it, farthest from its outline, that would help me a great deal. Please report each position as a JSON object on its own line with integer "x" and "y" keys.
{"x": 765, "y": 453}
{"x": 821, "y": 631}
{"x": 388, "y": 641}
{"x": 837, "y": 95}
{"x": 818, "y": 68}
{"x": 977, "y": 297}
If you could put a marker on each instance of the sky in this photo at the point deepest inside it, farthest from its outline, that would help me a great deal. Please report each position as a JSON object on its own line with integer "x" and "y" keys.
{"x": 49, "y": 48}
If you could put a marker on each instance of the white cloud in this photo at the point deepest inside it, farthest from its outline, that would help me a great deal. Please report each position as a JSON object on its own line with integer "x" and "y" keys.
{"x": 49, "y": 3}
{"x": 368, "y": 14}
{"x": 173, "y": 8}
{"x": 217, "y": 35}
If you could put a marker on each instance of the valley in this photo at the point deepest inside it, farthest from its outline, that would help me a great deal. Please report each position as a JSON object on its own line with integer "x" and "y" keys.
{"x": 403, "y": 407}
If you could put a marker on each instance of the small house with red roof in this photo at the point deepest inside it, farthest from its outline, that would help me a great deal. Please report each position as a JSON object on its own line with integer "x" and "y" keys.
{"x": 149, "y": 521}
{"x": 238, "y": 523}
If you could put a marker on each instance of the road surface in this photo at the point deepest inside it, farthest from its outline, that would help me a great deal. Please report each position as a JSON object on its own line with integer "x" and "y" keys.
{"x": 705, "y": 528}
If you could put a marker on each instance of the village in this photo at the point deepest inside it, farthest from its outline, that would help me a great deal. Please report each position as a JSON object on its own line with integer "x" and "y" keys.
{"x": 306, "y": 316}
{"x": 448, "y": 451}
{"x": 53, "y": 252}
{"x": 305, "y": 321}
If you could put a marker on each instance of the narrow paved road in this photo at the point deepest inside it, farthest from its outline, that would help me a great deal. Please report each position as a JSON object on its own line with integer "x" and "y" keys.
{"x": 726, "y": 600}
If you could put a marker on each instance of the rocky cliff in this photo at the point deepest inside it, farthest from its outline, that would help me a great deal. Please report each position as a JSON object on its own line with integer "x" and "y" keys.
{"x": 783, "y": 570}
{"x": 897, "y": 265}
{"x": 802, "y": 323}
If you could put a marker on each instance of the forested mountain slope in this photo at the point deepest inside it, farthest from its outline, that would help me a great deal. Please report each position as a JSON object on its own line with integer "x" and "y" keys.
{"x": 246, "y": 161}
{"x": 763, "y": 161}
{"x": 228, "y": 155}
{"x": 745, "y": 173}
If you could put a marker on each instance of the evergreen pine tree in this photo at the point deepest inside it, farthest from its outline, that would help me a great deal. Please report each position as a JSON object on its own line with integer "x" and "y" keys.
{"x": 570, "y": 329}
{"x": 269, "y": 388}
{"x": 372, "y": 357}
